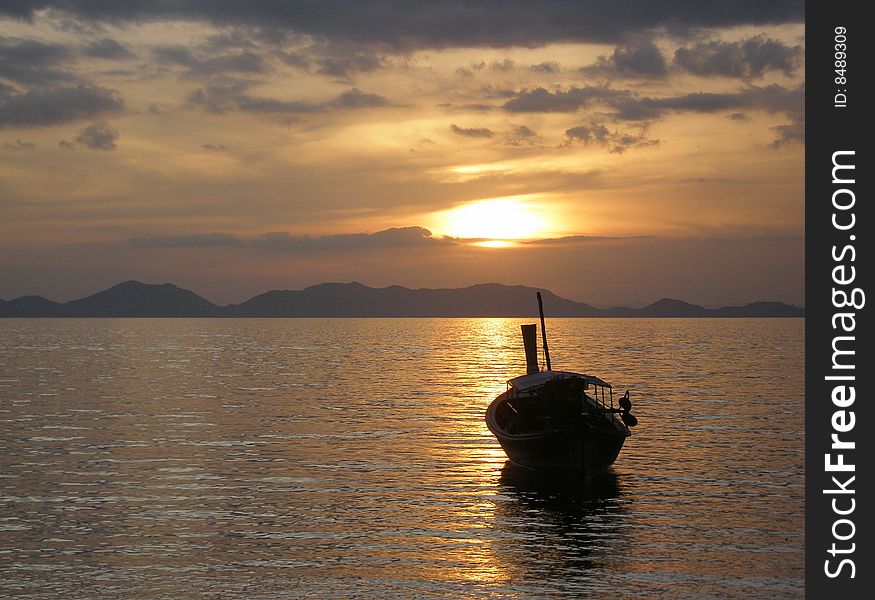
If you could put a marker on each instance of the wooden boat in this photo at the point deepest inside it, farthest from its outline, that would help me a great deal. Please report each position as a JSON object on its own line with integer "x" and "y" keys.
{"x": 558, "y": 420}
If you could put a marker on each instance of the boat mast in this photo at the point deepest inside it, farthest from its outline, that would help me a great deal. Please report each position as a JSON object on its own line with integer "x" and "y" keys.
{"x": 544, "y": 331}
{"x": 530, "y": 342}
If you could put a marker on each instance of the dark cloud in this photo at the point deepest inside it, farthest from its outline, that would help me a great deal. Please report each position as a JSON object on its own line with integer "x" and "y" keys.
{"x": 546, "y": 68}
{"x": 630, "y": 106}
{"x": 108, "y": 48}
{"x": 398, "y": 237}
{"x": 772, "y": 99}
{"x": 235, "y": 96}
{"x": 790, "y": 133}
{"x": 520, "y": 135}
{"x": 54, "y": 105}
{"x": 748, "y": 58}
{"x": 738, "y": 116}
{"x": 98, "y": 136}
{"x": 246, "y": 61}
{"x": 443, "y": 23}
{"x": 475, "y": 132}
{"x": 571, "y": 100}
{"x": 18, "y": 145}
{"x": 640, "y": 59}
{"x": 505, "y": 66}
{"x": 523, "y": 132}
{"x": 355, "y": 98}
{"x": 336, "y": 59}
{"x": 216, "y": 147}
{"x": 475, "y": 107}
{"x": 572, "y": 240}
{"x": 65, "y": 145}
{"x": 617, "y": 142}
{"x": 221, "y": 98}
{"x": 30, "y": 62}
{"x": 592, "y": 133}
{"x": 347, "y": 67}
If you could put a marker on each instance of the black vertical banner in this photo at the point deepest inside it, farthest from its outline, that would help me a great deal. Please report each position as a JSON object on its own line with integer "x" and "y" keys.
{"x": 839, "y": 370}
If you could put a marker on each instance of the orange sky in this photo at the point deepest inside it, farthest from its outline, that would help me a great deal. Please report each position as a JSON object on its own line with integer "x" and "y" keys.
{"x": 233, "y": 153}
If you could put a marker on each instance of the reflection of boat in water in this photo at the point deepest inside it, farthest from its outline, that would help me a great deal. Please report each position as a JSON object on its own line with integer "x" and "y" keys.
{"x": 560, "y": 534}
{"x": 558, "y": 420}
{"x": 565, "y": 494}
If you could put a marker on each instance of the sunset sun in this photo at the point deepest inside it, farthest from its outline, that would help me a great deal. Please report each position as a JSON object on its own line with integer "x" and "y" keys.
{"x": 495, "y": 221}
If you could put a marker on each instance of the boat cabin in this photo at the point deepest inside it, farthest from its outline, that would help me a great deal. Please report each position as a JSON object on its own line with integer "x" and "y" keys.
{"x": 547, "y": 399}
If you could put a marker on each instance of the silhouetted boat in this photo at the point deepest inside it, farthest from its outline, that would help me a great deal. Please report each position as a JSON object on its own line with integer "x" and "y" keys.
{"x": 558, "y": 420}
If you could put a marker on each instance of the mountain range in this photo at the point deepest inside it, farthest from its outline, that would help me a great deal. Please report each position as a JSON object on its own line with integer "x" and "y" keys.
{"x": 136, "y": 299}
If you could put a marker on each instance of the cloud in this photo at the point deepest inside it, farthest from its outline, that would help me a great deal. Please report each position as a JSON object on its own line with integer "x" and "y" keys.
{"x": 546, "y": 68}
{"x": 19, "y": 145}
{"x": 216, "y": 147}
{"x": 772, "y": 98}
{"x": 630, "y": 106}
{"x": 474, "y": 106}
{"x": 98, "y": 136}
{"x": 234, "y": 96}
{"x": 65, "y": 145}
{"x": 597, "y": 134}
{"x": 475, "y": 132}
{"x": 790, "y": 133}
{"x": 406, "y": 26}
{"x": 346, "y": 67}
{"x": 520, "y": 135}
{"x": 592, "y": 133}
{"x": 505, "y": 66}
{"x": 246, "y": 61}
{"x": 521, "y": 131}
{"x": 397, "y": 237}
{"x": 54, "y": 105}
{"x": 640, "y": 59}
{"x": 571, "y": 240}
{"x": 30, "y": 62}
{"x": 355, "y": 98}
{"x": 749, "y": 58}
{"x": 339, "y": 60}
{"x": 571, "y": 100}
{"x": 109, "y": 49}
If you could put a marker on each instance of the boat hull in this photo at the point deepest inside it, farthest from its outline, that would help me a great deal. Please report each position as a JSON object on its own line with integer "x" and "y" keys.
{"x": 576, "y": 446}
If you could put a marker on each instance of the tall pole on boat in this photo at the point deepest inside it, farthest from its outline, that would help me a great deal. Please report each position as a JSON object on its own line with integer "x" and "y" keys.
{"x": 544, "y": 331}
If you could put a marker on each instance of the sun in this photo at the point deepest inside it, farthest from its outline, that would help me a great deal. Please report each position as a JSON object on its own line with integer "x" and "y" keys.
{"x": 494, "y": 220}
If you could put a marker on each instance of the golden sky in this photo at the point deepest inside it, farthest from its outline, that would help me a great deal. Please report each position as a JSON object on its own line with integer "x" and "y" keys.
{"x": 612, "y": 156}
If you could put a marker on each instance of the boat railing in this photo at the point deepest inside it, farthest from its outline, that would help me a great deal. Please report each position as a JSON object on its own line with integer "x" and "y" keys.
{"x": 605, "y": 400}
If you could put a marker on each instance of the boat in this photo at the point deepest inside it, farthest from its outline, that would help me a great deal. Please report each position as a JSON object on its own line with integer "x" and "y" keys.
{"x": 558, "y": 420}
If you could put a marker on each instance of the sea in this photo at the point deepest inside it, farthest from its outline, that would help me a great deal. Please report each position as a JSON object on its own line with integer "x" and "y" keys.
{"x": 349, "y": 458}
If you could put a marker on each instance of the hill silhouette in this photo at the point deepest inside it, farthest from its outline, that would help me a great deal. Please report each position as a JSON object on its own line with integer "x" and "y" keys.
{"x": 137, "y": 299}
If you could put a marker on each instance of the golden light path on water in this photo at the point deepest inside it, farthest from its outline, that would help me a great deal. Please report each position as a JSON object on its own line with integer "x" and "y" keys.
{"x": 349, "y": 457}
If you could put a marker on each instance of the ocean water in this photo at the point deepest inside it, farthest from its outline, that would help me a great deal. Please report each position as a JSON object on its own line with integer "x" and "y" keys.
{"x": 323, "y": 458}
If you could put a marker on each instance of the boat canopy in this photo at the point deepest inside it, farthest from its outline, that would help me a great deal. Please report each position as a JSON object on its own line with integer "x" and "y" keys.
{"x": 527, "y": 382}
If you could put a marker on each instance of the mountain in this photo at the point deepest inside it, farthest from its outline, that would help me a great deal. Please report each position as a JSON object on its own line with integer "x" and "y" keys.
{"x": 29, "y": 306}
{"x": 669, "y": 307}
{"x": 136, "y": 299}
{"x": 357, "y": 300}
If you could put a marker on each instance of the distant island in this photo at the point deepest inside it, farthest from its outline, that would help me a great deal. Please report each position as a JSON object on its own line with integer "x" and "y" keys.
{"x": 136, "y": 299}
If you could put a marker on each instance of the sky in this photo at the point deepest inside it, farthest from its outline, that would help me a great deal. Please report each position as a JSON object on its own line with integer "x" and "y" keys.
{"x": 612, "y": 152}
